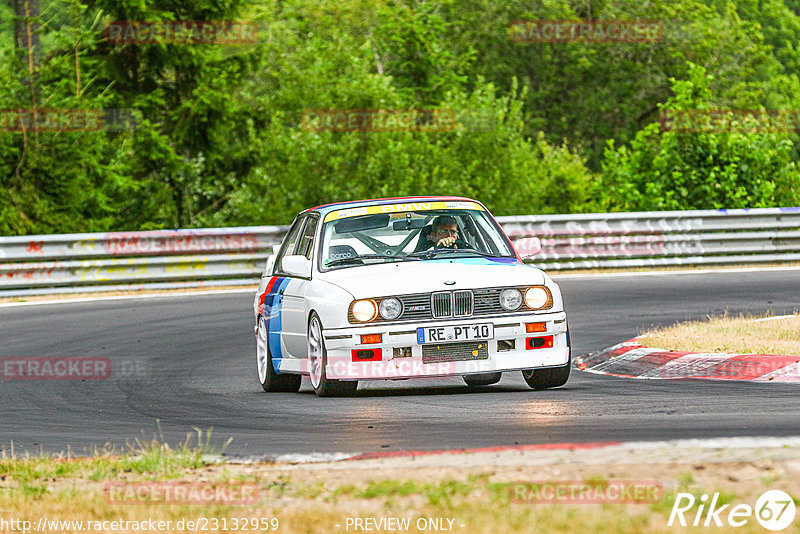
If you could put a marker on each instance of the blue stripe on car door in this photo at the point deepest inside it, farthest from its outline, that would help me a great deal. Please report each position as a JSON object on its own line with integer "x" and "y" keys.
{"x": 274, "y": 331}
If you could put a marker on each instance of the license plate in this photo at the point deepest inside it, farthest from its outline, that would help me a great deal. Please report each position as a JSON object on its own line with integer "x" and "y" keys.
{"x": 452, "y": 334}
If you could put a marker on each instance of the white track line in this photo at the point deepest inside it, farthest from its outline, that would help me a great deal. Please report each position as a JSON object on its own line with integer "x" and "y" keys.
{"x": 124, "y": 297}
{"x": 732, "y": 443}
{"x": 554, "y": 276}
{"x": 718, "y": 443}
{"x": 764, "y": 319}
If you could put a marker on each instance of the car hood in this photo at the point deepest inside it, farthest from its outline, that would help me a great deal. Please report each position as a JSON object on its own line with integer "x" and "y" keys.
{"x": 401, "y": 278}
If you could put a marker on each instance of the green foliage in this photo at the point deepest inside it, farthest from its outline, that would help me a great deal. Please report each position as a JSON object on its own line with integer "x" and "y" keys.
{"x": 587, "y": 93}
{"x": 220, "y": 139}
{"x": 154, "y": 459}
{"x": 677, "y": 170}
{"x": 412, "y": 46}
{"x": 485, "y": 156}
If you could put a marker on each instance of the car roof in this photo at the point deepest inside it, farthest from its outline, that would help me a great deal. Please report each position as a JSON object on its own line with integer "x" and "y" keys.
{"x": 327, "y": 208}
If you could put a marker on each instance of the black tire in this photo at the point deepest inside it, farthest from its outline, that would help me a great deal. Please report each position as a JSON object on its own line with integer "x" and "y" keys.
{"x": 551, "y": 377}
{"x": 270, "y": 380}
{"x": 483, "y": 379}
{"x": 318, "y": 360}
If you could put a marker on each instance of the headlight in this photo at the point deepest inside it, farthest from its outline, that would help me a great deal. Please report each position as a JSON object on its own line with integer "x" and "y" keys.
{"x": 510, "y": 299}
{"x": 390, "y": 308}
{"x": 536, "y": 297}
{"x": 364, "y": 310}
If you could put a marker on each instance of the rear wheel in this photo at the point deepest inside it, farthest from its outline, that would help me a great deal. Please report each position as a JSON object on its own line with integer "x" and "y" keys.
{"x": 483, "y": 379}
{"x": 551, "y": 377}
{"x": 270, "y": 379}
{"x": 318, "y": 360}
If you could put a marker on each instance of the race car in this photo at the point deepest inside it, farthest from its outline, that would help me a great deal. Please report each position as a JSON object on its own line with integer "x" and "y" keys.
{"x": 402, "y": 288}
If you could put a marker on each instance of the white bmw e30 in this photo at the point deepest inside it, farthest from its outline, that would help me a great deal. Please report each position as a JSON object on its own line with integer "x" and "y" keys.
{"x": 405, "y": 288}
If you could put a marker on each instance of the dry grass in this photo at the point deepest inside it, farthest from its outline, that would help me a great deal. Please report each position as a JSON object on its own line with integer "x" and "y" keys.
{"x": 472, "y": 490}
{"x": 150, "y": 459}
{"x": 476, "y": 499}
{"x": 739, "y": 335}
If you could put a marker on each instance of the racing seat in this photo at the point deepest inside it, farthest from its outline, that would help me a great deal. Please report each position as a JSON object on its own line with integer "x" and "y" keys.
{"x": 340, "y": 252}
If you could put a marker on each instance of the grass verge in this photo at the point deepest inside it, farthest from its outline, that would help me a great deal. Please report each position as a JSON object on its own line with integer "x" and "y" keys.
{"x": 145, "y": 460}
{"x": 740, "y": 335}
{"x": 465, "y": 494}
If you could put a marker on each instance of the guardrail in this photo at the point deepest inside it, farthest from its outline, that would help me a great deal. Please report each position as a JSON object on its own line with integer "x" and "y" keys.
{"x": 660, "y": 238}
{"x": 49, "y": 264}
{"x": 68, "y": 263}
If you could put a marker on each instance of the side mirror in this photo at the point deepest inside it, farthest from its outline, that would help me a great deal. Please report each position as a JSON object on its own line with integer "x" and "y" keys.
{"x": 296, "y": 265}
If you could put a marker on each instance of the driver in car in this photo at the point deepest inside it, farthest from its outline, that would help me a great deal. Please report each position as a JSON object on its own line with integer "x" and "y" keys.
{"x": 443, "y": 234}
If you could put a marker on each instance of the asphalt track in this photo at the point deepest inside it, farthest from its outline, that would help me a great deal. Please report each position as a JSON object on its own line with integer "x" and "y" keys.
{"x": 190, "y": 364}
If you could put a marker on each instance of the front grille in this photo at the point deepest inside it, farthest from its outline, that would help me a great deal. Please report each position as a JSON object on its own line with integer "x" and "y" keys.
{"x": 455, "y": 304}
{"x": 441, "y": 304}
{"x": 462, "y": 303}
{"x": 488, "y": 301}
{"x": 416, "y": 306}
{"x": 455, "y": 352}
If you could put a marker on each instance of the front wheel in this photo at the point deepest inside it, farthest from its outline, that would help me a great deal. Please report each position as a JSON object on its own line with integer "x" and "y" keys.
{"x": 271, "y": 380}
{"x": 318, "y": 360}
{"x": 552, "y": 377}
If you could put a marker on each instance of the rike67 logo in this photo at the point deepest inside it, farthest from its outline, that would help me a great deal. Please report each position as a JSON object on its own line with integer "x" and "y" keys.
{"x": 774, "y": 510}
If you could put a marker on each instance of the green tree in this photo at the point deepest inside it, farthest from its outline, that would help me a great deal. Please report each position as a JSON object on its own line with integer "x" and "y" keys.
{"x": 694, "y": 170}
{"x": 586, "y": 93}
{"x": 220, "y": 138}
{"x": 328, "y": 61}
{"x": 54, "y": 181}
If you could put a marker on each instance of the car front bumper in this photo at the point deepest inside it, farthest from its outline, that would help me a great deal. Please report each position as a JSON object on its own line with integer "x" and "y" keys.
{"x": 498, "y": 356}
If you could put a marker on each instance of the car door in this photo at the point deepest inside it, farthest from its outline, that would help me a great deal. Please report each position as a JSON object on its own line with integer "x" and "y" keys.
{"x": 294, "y": 310}
{"x": 272, "y": 295}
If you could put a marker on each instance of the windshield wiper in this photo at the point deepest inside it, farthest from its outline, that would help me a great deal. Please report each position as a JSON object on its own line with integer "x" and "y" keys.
{"x": 342, "y": 261}
{"x": 421, "y": 254}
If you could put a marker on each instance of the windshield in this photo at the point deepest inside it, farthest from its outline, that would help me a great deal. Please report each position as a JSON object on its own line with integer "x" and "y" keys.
{"x": 410, "y": 236}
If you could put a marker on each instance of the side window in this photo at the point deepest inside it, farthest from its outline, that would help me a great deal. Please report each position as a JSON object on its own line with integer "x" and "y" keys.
{"x": 289, "y": 243}
{"x": 306, "y": 246}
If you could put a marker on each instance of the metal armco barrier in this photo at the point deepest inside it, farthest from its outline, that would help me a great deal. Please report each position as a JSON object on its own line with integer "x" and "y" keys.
{"x": 659, "y": 238}
{"x": 230, "y": 256}
{"x": 112, "y": 261}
